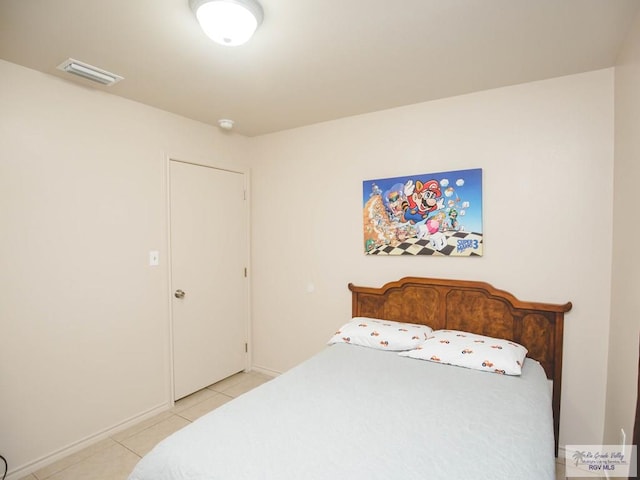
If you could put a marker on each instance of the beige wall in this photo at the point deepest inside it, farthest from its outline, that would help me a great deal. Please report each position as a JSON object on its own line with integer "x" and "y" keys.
{"x": 83, "y": 318}
{"x": 546, "y": 149}
{"x": 625, "y": 301}
{"x": 85, "y": 321}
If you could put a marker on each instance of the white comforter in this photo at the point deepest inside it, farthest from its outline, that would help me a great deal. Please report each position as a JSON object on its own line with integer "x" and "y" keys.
{"x": 356, "y": 413}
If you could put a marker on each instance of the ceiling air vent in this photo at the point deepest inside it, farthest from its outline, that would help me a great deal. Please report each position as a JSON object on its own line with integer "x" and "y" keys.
{"x": 89, "y": 71}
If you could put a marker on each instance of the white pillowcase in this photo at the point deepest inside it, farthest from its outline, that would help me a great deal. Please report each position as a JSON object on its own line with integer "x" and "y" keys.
{"x": 472, "y": 351}
{"x": 381, "y": 334}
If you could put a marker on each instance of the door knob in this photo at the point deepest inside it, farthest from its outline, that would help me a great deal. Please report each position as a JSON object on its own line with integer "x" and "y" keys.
{"x": 179, "y": 294}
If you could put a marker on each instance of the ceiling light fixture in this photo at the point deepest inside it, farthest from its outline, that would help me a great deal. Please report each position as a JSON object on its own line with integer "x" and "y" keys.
{"x": 89, "y": 71}
{"x": 228, "y": 22}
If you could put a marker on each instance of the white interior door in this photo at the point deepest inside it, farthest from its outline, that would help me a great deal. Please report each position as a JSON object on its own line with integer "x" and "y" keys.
{"x": 208, "y": 278}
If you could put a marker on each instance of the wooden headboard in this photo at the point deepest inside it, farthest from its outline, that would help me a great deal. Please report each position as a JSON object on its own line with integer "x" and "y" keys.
{"x": 475, "y": 307}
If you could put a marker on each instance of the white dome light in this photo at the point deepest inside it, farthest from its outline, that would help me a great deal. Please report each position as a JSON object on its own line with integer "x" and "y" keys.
{"x": 228, "y": 22}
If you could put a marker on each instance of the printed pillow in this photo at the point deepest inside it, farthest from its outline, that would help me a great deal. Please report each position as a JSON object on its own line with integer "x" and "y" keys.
{"x": 472, "y": 351}
{"x": 381, "y": 334}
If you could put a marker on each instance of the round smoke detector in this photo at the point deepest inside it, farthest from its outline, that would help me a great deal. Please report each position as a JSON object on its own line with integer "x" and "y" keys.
{"x": 225, "y": 124}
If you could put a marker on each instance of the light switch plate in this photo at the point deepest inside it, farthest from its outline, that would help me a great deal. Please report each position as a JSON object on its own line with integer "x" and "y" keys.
{"x": 154, "y": 258}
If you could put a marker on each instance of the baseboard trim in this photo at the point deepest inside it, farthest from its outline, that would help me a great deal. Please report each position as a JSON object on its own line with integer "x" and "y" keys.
{"x": 265, "y": 371}
{"x": 46, "y": 460}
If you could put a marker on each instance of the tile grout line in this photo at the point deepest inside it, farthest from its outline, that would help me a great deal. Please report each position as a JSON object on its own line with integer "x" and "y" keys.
{"x": 124, "y": 446}
{"x": 184, "y": 418}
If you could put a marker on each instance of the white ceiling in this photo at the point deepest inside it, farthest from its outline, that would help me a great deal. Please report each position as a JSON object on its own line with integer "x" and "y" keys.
{"x": 315, "y": 60}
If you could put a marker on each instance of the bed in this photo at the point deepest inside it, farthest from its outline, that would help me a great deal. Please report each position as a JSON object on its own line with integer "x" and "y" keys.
{"x": 361, "y": 411}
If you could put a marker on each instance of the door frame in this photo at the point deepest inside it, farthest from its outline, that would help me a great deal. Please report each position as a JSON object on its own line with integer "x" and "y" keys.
{"x": 217, "y": 165}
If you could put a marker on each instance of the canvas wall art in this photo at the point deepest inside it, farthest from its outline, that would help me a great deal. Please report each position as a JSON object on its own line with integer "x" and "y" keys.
{"x": 428, "y": 214}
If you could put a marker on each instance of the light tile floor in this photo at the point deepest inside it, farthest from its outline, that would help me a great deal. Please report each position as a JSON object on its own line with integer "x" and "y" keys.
{"x": 115, "y": 457}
